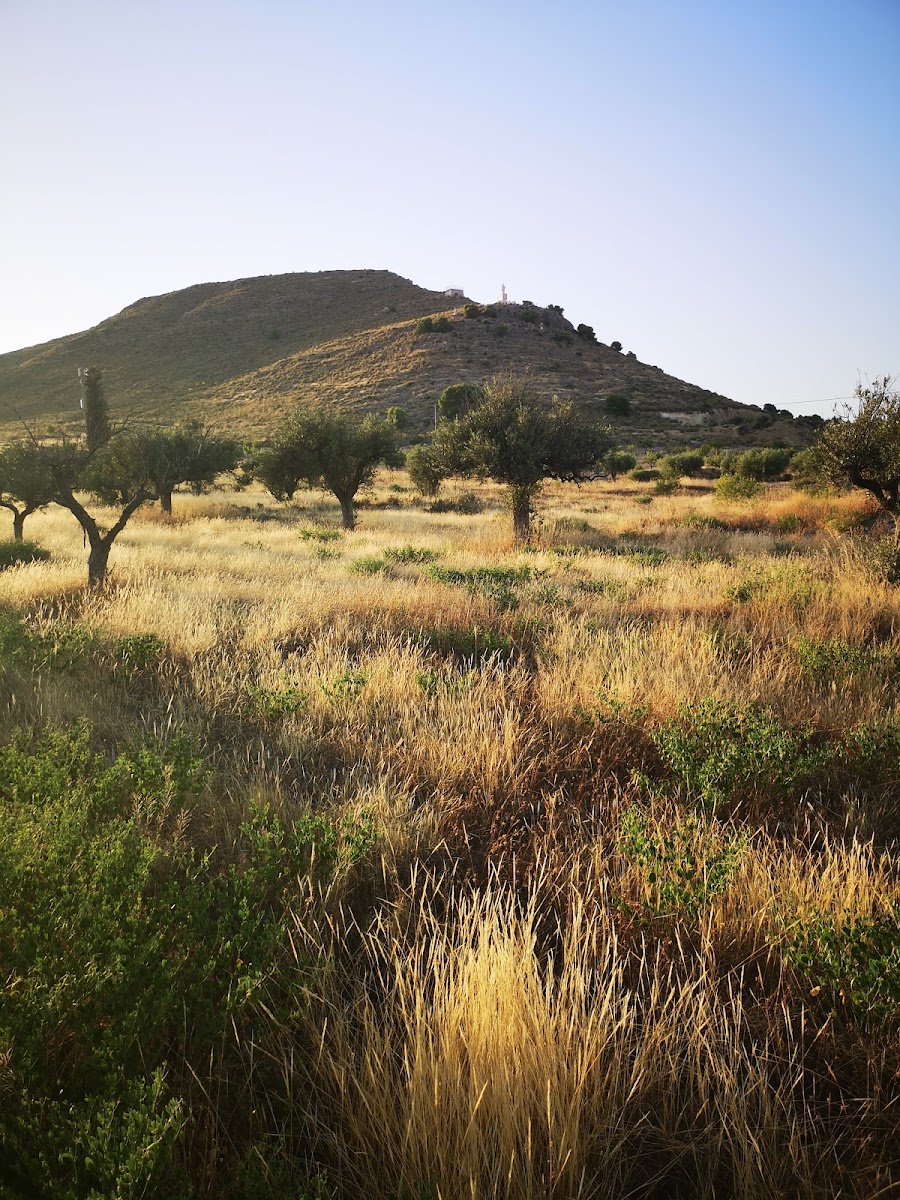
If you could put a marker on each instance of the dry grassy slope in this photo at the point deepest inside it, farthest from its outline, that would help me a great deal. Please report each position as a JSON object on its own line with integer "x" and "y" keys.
{"x": 242, "y": 354}
{"x": 162, "y": 352}
{"x": 394, "y": 364}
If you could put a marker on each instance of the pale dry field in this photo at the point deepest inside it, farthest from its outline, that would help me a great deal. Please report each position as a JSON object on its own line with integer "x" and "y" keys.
{"x": 526, "y": 1000}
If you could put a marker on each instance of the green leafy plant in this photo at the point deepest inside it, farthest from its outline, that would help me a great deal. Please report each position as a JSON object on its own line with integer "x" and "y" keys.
{"x": 683, "y": 867}
{"x": 370, "y": 564}
{"x": 276, "y": 700}
{"x": 737, "y": 487}
{"x": 497, "y": 583}
{"x": 411, "y": 554}
{"x": 138, "y": 652}
{"x": 318, "y": 534}
{"x": 723, "y": 754}
{"x": 854, "y": 966}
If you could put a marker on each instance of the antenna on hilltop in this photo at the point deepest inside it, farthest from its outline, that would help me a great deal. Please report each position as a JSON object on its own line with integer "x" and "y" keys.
{"x": 503, "y": 298}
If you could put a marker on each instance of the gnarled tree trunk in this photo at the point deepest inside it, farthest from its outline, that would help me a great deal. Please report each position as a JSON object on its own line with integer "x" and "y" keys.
{"x": 348, "y": 512}
{"x": 521, "y": 510}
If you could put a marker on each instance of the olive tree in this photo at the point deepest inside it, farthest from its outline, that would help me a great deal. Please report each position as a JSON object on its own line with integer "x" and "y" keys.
{"x": 170, "y": 452}
{"x": 25, "y": 485}
{"x": 318, "y": 448}
{"x": 131, "y": 468}
{"x": 862, "y": 447}
{"x": 519, "y": 441}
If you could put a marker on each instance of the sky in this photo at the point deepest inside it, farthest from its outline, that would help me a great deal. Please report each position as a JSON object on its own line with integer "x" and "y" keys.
{"x": 714, "y": 183}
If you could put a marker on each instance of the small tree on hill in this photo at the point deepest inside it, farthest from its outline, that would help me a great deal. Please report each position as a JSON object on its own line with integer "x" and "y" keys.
{"x": 25, "y": 485}
{"x": 96, "y": 412}
{"x": 518, "y": 441}
{"x": 323, "y": 449}
{"x": 457, "y": 399}
{"x": 862, "y": 448}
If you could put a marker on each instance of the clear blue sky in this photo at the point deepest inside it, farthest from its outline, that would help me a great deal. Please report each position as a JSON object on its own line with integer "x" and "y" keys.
{"x": 714, "y": 183}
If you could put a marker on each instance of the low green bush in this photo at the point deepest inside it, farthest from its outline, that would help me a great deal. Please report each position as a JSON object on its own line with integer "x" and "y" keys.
{"x": 12, "y": 553}
{"x": 721, "y": 755}
{"x": 737, "y": 487}
{"x": 410, "y": 554}
{"x": 854, "y": 968}
{"x": 497, "y": 583}
{"x": 683, "y": 868}
{"x": 369, "y": 564}
{"x": 467, "y": 505}
{"x": 129, "y": 951}
{"x": 469, "y": 646}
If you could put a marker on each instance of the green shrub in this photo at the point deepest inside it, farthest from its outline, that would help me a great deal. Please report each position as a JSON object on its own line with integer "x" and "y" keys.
{"x": 467, "y": 505}
{"x": 617, "y": 405}
{"x": 369, "y": 564}
{"x": 138, "y": 652}
{"x": 683, "y": 868}
{"x": 433, "y": 325}
{"x": 471, "y": 646}
{"x": 737, "y": 487}
{"x": 318, "y": 534}
{"x": 501, "y": 330}
{"x": 278, "y": 700}
{"x": 761, "y": 464}
{"x": 471, "y": 311}
{"x": 347, "y": 686}
{"x": 724, "y": 754}
{"x": 854, "y": 967}
{"x": 497, "y": 583}
{"x": 410, "y": 554}
{"x": 133, "y": 952}
{"x": 702, "y": 521}
{"x": 14, "y": 552}
{"x": 666, "y": 485}
{"x": 645, "y": 475}
{"x": 833, "y": 660}
{"x": 686, "y": 462}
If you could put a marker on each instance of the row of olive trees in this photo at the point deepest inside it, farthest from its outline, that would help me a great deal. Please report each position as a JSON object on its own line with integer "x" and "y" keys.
{"x": 498, "y": 432}
{"x": 121, "y": 467}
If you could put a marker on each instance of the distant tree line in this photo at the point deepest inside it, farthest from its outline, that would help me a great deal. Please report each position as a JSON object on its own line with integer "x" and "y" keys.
{"x": 500, "y": 431}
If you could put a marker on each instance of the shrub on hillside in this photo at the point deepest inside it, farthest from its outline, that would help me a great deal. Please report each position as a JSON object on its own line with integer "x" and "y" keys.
{"x": 617, "y": 405}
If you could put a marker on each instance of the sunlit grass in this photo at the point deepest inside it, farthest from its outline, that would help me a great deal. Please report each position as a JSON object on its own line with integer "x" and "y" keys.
{"x": 511, "y": 1004}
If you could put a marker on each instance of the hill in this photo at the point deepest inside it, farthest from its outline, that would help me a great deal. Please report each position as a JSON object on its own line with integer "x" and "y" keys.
{"x": 241, "y": 354}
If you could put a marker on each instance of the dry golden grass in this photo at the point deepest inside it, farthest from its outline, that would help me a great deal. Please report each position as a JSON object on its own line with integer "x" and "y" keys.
{"x": 500, "y": 1021}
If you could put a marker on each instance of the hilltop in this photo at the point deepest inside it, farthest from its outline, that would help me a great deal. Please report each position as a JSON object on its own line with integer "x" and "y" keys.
{"x": 241, "y": 354}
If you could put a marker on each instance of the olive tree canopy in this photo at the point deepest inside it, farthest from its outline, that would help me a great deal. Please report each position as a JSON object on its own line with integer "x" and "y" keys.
{"x": 862, "y": 448}
{"x": 519, "y": 441}
{"x": 319, "y": 448}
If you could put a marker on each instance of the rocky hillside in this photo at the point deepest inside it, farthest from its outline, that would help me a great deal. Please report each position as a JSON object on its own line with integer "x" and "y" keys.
{"x": 242, "y": 354}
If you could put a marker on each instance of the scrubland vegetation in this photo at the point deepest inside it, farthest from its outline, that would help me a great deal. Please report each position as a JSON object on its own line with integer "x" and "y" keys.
{"x": 407, "y": 864}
